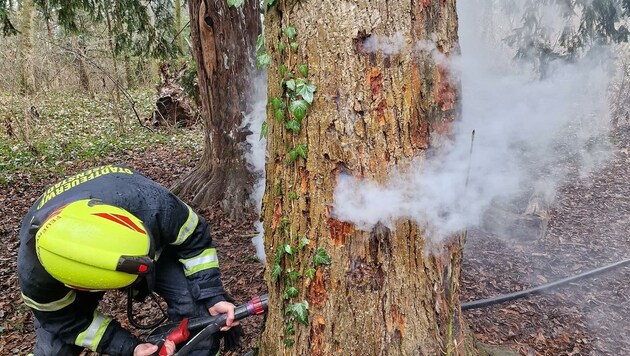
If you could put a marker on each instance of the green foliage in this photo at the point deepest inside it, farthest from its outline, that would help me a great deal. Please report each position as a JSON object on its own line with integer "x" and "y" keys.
{"x": 290, "y": 32}
{"x": 299, "y": 311}
{"x": 303, "y": 243}
{"x": 190, "y": 81}
{"x": 235, "y": 3}
{"x": 276, "y": 271}
{"x": 321, "y": 257}
{"x": 264, "y": 130}
{"x": 73, "y": 129}
{"x": 290, "y": 292}
{"x": 588, "y": 25}
{"x": 142, "y": 27}
{"x": 298, "y": 109}
{"x": 267, "y": 4}
{"x": 309, "y": 273}
{"x": 262, "y": 58}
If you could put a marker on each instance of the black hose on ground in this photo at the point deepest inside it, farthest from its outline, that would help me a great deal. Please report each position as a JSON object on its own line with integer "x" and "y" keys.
{"x": 481, "y": 303}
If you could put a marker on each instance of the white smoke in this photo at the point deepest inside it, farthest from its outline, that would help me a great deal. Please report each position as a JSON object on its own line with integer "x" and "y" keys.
{"x": 527, "y": 129}
{"x": 257, "y": 151}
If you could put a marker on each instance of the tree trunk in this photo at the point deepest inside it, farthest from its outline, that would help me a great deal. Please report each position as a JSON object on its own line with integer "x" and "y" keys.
{"x": 380, "y": 101}
{"x": 223, "y": 41}
{"x": 177, "y": 5}
{"x": 27, "y": 76}
{"x": 84, "y": 78}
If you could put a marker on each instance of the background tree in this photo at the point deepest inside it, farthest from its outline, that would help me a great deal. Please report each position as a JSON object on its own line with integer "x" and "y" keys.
{"x": 223, "y": 44}
{"x": 378, "y": 102}
{"x": 27, "y": 77}
{"x": 588, "y": 24}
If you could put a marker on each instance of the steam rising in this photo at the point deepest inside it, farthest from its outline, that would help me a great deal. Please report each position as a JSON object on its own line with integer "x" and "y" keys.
{"x": 530, "y": 132}
{"x": 256, "y": 152}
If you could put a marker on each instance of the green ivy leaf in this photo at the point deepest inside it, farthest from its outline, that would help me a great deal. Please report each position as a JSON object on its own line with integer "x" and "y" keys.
{"x": 289, "y": 329}
{"x": 282, "y": 70}
{"x": 292, "y": 156}
{"x": 270, "y": 3}
{"x": 263, "y": 60}
{"x": 302, "y": 150}
{"x": 321, "y": 257}
{"x": 293, "y": 195}
{"x": 279, "y": 114}
{"x": 310, "y": 273}
{"x": 276, "y": 271}
{"x": 276, "y": 103}
{"x": 289, "y": 342}
{"x": 279, "y": 254}
{"x": 303, "y": 69}
{"x": 293, "y": 275}
{"x": 294, "y": 47}
{"x": 299, "y": 311}
{"x": 290, "y": 32}
{"x": 304, "y": 242}
{"x": 293, "y": 125}
{"x": 288, "y": 249}
{"x": 264, "y": 130}
{"x": 260, "y": 43}
{"x": 290, "y": 84}
{"x": 290, "y": 292}
{"x": 281, "y": 47}
{"x": 235, "y": 3}
{"x": 298, "y": 109}
{"x": 306, "y": 91}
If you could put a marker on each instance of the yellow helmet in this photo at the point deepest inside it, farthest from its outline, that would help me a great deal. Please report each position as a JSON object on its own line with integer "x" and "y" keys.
{"x": 94, "y": 246}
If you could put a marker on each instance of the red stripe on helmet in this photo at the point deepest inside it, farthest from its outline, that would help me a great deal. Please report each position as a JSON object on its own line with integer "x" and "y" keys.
{"x": 122, "y": 220}
{"x": 130, "y": 223}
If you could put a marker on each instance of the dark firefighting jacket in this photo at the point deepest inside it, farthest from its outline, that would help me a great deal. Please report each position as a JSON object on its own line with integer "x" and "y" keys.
{"x": 71, "y": 314}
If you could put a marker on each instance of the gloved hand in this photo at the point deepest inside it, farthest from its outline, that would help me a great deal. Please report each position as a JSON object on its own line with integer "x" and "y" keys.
{"x": 231, "y": 338}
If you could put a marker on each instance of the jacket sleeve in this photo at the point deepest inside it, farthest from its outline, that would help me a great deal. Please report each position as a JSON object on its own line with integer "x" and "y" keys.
{"x": 71, "y": 315}
{"x": 190, "y": 235}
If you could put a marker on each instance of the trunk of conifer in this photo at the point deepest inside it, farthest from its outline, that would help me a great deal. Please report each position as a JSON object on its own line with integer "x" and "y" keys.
{"x": 384, "y": 292}
{"x": 223, "y": 45}
{"x": 177, "y": 5}
{"x": 27, "y": 76}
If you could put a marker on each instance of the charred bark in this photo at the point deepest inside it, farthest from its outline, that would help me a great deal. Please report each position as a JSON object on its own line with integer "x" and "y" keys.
{"x": 382, "y": 98}
{"x": 224, "y": 41}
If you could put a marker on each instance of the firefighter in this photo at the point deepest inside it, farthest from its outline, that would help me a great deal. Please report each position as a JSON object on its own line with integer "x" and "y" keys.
{"x": 112, "y": 228}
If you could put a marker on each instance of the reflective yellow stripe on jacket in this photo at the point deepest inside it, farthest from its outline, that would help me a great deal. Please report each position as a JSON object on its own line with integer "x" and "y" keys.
{"x": 205, "y": 260}
{"x": 92, "y": 336}
{"x": 52, "y": 306}
{"x": 188, "y": 227}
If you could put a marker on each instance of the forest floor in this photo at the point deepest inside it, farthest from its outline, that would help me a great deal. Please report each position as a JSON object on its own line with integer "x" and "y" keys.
{"x": 589, "y": 225}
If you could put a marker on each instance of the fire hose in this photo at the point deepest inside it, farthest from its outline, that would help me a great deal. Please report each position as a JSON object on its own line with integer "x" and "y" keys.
{"x": 179, "y": 332}
{"x": 542, "y": 288}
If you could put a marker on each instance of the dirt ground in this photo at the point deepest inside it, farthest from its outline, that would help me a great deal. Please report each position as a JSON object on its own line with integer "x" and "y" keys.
{"x": 589, "y": 225}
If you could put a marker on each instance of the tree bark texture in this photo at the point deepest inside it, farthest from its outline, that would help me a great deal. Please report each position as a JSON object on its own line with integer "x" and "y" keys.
{"x": 223, "y": 41}
{"x": 383, "y": 293}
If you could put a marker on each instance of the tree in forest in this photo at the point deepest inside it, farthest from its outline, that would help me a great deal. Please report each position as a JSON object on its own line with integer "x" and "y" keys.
{"x": 27, "y": 76}
{"x": 351, "y": 91}
{"x": 223, "y": 44}
{"x": 587, "y": 26}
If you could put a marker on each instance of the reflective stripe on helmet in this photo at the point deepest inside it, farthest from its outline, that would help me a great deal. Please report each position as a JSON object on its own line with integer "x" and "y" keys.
{"x": 52, "y": 306}
{"x": 92, "y": 336}
{"x": 205, "y": 260}
{"x": 188, "y": 227}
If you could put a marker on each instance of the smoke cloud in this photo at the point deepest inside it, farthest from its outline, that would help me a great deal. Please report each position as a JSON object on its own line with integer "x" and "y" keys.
{"x": 256, "y": 151}
{"x": 531, "y": 131}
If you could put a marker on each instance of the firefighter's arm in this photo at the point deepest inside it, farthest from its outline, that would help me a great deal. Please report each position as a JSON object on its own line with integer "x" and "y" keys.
{"x": 190, "y": 236}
